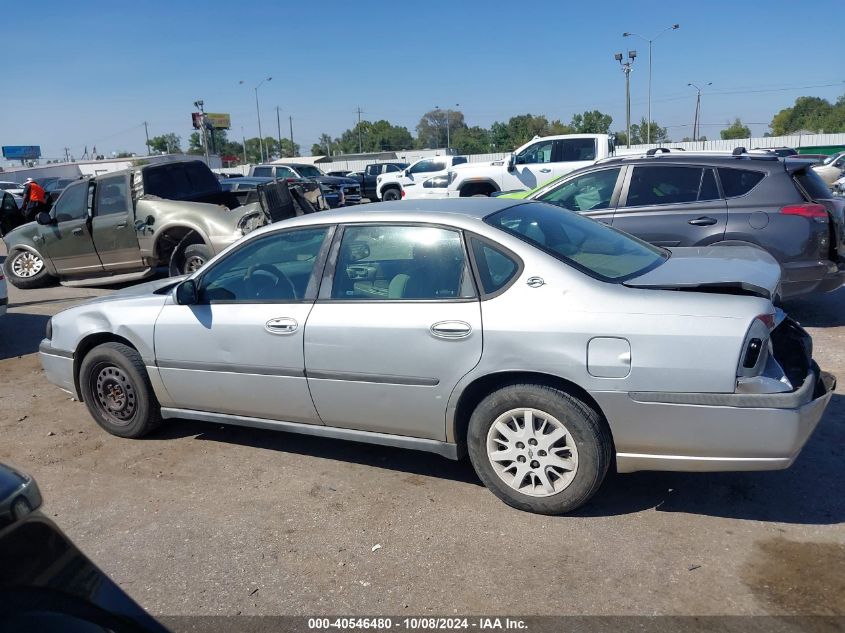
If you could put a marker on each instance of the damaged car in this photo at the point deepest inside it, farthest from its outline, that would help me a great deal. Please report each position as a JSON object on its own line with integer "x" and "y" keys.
{"x": 123, "y": 226}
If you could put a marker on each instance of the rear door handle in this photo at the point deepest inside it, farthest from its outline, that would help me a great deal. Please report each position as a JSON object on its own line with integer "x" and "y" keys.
{"x": 77, "y": 231}
{"x": 282, "y": 325}
{"x": 451, "y": 329}
{"x": 122, "y": 225}
{"x": 703, "y": 221}
{"x": 545, "y": 170}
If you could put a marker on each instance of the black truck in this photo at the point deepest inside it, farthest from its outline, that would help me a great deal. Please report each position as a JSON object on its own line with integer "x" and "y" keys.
{"x": 369, "y": 175}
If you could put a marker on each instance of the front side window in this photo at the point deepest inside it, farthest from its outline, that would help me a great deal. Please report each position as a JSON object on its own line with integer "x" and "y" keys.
{"x": 738, "y": 182}
{"x": 112, "y": 196}
{"x": 275, "y": 268}
{"x": 401, "y": 262}
{"x": 538, "y": 153}
{"x": 577, "y": 149}
{"x": 589, "y": 246}
{"x": 427, "y": 166}
{"x": 663, "y": 184}
{"x": 72, "y": 204}
{"x": 589, "y": 192}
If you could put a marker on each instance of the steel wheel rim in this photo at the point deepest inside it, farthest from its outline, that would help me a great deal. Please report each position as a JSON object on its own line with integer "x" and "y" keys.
{"x": 193, "y": 264}
{"x": 532, "y": 452}
{"x": 27, "y": 265}
{"x": 115, "y": 394}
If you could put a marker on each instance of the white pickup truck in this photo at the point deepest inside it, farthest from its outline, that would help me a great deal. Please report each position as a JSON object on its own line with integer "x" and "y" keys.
{"x": 541, "y": 159}
{"x": 394, "y": 186}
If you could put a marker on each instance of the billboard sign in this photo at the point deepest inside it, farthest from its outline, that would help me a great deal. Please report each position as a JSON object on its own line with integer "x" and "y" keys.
{"x": 215, "y": 120}
{"x": 21, "y": 152}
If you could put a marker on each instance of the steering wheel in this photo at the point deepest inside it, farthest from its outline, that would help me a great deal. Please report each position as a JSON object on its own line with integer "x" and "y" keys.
{"x": 258, "y": 285}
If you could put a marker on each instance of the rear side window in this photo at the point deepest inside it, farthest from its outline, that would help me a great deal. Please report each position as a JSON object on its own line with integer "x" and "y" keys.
{"x": 709, "y": 190}
{"x": 112, "y": 196}
{"x": 664, "y": 184}
{"x": 812, "y": 183}
{"x": 263, "y": 172}
{"x": 391, "y": 168}
{"x": 495, "y": 268}
{"x": 577, "y": 149}
{"x": 738, "y": 182}
{"x": 459, "y": 160}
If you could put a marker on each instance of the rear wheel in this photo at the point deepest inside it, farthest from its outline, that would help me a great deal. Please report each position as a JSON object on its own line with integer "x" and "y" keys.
{"x": 538, "y": 448}
{"x": 26, "y": 269}
{"x": 391, "y": 194}
{"x": 117, "y": 391}
{"x": 189, "y": 259}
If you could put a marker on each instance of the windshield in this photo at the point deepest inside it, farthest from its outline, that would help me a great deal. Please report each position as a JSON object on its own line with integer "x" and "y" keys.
{"x": 309, "y": 171}
{"x": 830, "y": 159}
{"x": 589, "y": 246}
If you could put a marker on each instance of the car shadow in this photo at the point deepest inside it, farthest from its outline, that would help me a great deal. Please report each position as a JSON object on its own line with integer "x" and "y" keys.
{"x": 823, "y": 310}
{"x": 21, "y": 334}
{"x": 396, "y": 459}
{"x": 806, "y": 493}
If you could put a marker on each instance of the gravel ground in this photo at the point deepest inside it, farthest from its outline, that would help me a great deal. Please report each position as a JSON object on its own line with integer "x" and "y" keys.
{"x": 204, "y": 519}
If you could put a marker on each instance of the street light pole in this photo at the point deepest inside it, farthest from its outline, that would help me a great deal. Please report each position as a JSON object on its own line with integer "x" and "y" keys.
{"x": 650, "y": 42}
{"x": 696, "y": 126}
{"x": 258, "y": 113}
{"x": 626, "y": 68}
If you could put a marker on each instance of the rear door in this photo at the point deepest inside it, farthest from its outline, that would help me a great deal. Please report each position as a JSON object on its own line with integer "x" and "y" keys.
{"x": 112, "y": 225}
{"x": 68, "y": 240}
{"x": 672, "y": 205}
{"x": 573, "y": 153}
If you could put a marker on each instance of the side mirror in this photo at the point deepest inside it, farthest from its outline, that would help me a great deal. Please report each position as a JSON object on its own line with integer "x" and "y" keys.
{"x": 511, "y": 164}
{"x": 186, "y": 293}
{"x": 44, "y": 219}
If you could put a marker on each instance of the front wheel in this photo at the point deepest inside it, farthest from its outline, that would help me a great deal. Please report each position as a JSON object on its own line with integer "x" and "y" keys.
{"x": 538, "y": 448}
{"x": 117, "y": 391}
{"x": 390, "y": 195}
{"x": 26, "y": 269}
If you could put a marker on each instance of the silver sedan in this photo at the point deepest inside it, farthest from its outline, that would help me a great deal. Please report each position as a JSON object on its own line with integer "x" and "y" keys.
{"x": 544, "y": 344}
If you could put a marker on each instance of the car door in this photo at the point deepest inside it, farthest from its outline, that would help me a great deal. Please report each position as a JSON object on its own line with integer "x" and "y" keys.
{"x": 67, "y": 241}
{"x": 394, "y": 331}
{"x": 672, "y": 205}
{"x": 112, "y": 224}
{"x": 533, "y": 166}
{"x": 419, "y": 172}
{"x": 239, "y": 350}
{"x": 573, "y": 153}
{"x": 593, "y": 194}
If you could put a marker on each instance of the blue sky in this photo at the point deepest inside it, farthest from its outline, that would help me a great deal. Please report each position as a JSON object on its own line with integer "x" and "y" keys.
{"x": 99, "y": 69}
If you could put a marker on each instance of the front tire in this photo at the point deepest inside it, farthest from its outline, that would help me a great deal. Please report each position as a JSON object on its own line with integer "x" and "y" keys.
{"x": 117, "y": 391}
{"x": 391, "y": 195}
{"x": 26, "y": 269}
{"x": 538, "y": 448}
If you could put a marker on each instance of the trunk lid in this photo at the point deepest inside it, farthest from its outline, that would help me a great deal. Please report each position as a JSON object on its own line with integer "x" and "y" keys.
{"x": 743, "y": 270}
{"x": 814, "y": 189}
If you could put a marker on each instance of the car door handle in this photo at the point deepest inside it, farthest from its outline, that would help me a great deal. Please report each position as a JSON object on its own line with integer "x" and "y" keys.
{"x": 545, "y": 170}
{"x": 703, "y": 221}
{"x": 282, "y": 325}
{"x": 451, "y": 329}
{"x": 77, "y": 231}
{"x": 122, "y": 225}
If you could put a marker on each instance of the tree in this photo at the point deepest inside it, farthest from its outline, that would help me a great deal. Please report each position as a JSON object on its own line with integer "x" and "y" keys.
{"x": 736, "y": 130}
{"x": 323, "y": 146}
{"x": 124, "y": 155}
{"x": 810, "y": 113}
{"x": 639, "y": 134}
{"x": 591, "y": 122}
{"x": 431, "y": 130}
{"x": 471, "y": 140}
{"x": 166, "y": 144}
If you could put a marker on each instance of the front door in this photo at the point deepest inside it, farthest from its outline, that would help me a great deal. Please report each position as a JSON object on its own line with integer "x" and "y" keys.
{"x": 593, "y": 194}
{"x": 239, "y": 350}
{"x": 533, "y": 166}
{"x": 395, "y": 331}
{"x": 672, "y": 205}
{"x": 421, "y": 171}
{"x": 113, "y": 227}
{"x": 68, "y": 240}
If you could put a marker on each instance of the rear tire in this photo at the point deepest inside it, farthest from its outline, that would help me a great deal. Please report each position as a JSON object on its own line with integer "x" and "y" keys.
{"x": 391, "y": 195}
{"x": 189, "y": 259}
{"x": 538, "y": 448}
{"x": 25, "y": 270}
{"x": 117, "y": 391}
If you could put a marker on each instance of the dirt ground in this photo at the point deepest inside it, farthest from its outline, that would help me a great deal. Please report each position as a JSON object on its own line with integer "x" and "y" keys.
{"x": 204, "y": 519}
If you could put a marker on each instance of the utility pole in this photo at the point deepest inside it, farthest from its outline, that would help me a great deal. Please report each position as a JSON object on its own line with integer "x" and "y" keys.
{"x": 243, "y": 140}
{"x": 650, "y": 41}
{"x": 292, "y": 146}
{"x": 696, "y": 126}
{"x": 359, "y": 111}
{"x": 279, "y": 130}
{"x": 258, "y": 114}
{"x": 626, "y": 68}
{"x": 67, "y": 154}
{"x": 147, "y": 134}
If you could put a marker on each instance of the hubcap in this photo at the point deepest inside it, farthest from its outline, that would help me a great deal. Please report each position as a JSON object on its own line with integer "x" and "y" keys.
{"x": 27, "y": 264}
{"x": 193, "y": 264}
{"x": 115, "y": 394}
{"x": 532, "y": 452}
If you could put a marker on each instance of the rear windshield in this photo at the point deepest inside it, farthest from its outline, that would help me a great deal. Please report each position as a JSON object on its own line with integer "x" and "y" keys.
{"x": 180, "y": 181}
{"x": 589, "y": 246}
{"x": 813, "y": 184}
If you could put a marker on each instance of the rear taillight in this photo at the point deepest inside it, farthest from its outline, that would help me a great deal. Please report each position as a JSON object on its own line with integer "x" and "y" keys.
{"x": 403, "y": 193}
{"x": 767, "y": 319}
{"x": 806, "y": 210}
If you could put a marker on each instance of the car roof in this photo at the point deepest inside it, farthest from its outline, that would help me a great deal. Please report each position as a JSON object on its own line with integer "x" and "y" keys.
{"x": 697, "y": 158}
{"x": 249, "y": 179}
